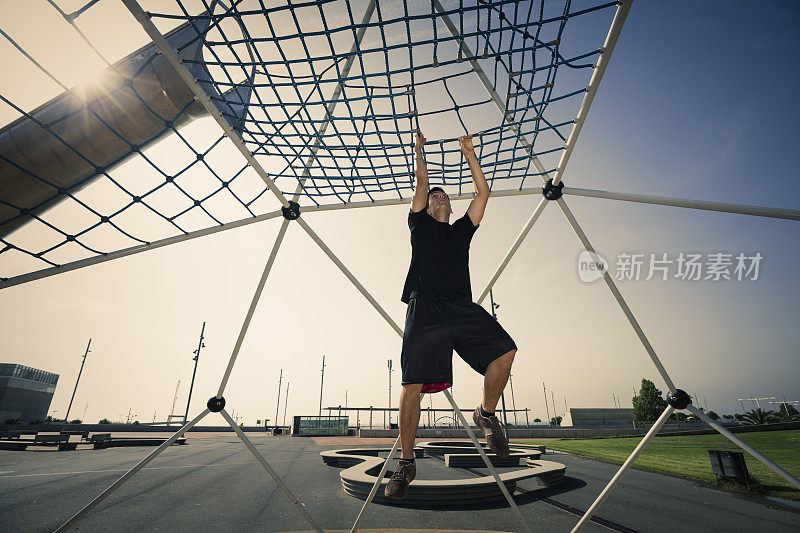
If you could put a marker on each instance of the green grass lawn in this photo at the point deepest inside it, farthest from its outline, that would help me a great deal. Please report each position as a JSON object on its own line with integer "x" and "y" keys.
{"x": 687, "y": 456}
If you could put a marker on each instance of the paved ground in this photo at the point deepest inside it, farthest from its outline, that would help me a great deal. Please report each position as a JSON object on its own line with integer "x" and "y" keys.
{"x": 214, "y": 483}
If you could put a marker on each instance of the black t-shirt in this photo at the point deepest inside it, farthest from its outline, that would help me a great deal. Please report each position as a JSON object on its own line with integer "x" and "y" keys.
{"x": 439, "y": 257}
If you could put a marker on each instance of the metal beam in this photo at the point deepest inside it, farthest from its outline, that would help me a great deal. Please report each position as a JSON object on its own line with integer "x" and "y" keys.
{"x": 742, "y": 209}
{"x": 75, "y": 265}
{"x": 295, "y": 500}
{"x": 486, "y": 460}
{"x": 350, "y": 276}
{"x": 594, "y": 83}
{"x": 618, "y": 296}
{"x": 514, "y": 247}
{"x": 487, "y": 84}
{"x": 743, "y": 445}
{"x": 253, "y": 305}
{"x": 624, "y": 468}
{"x": 141, "y": 464}
{"x": 202, "y": 96}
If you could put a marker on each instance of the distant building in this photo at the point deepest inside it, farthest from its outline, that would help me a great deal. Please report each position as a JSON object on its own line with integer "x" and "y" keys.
{"x": 601, "y": 417}
{"x": 25, "y": 392}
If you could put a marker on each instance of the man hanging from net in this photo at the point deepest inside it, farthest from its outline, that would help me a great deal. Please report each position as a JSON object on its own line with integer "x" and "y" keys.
{"x": 441, "y": 315}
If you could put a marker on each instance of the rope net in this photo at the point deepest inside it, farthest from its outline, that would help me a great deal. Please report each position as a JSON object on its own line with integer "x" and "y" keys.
{"x": 132, "y": 158}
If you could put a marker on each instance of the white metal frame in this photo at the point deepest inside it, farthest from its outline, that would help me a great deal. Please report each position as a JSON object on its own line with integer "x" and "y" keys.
{"x": 614, "y": 32}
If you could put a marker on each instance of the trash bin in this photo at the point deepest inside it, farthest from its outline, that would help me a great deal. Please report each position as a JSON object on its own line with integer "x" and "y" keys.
{"x": 729, "y": 464}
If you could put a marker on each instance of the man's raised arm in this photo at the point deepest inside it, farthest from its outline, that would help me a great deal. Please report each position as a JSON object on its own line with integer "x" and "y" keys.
{"x": 420, "y": 199}
{"x": 478, "y": 204}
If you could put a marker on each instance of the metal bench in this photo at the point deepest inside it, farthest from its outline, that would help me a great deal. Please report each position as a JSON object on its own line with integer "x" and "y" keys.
{"x": 83, "y": 434}
{"x": 100, "y": 440}
{"x": 105, "y": 440}
{"x": 15, "y": 434}
{"x": 61, "y": 441}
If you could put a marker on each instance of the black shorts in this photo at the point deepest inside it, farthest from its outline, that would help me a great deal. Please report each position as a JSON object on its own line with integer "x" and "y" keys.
{"x": 435, "y": 326}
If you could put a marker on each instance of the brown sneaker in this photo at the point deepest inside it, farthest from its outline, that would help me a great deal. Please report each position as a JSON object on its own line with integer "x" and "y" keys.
{"x": 397, "y": 488}
{"x": 493, "y": 432}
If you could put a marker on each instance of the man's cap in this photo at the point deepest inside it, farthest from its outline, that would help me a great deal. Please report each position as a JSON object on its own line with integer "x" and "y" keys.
{"x": 435, "y": 189}
{"x": 431, "y": 191}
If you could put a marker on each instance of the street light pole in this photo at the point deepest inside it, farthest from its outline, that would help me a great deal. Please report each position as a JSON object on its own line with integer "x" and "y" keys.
{"x": 321, "y": 381}
{"x": 66, "y": 416}
{"x": 285, "y": 403}
{"x": 390, "y": 393}
{"x": 544, "y": 389}
{"x": 278, "y": 405}
{"x": 502, "y": 394}
{"x": 195, "y": 359}
{"x": 513, "y": 402}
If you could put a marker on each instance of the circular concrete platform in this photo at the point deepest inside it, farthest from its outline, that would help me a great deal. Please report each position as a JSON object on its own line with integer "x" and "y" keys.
{"x": 364, "y": 465}
{"x": 397, "y": 530}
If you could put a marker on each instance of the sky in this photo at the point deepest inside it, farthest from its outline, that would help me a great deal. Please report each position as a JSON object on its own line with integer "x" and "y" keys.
{"x": 697, "y": 102}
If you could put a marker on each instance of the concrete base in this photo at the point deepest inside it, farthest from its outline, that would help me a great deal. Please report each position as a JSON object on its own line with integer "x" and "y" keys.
{"x": 462, "y": 454}
{"x": 358, "y": 480}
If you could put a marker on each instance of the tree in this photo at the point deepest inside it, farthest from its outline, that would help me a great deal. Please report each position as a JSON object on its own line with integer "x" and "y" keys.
{"x": 787, "y": 413}
{"x": 678, "y": 416}
{"x": 104, "y": 421}
{"x": 760, "y": 416}
{"x": 713, "y": 415}
{"x": 537, "y": 419}
{"x": 648, "y": 404}
{"x": 555, "y": 421}
{"x": 738, "y": 417}
{"x": 727, "y": 417}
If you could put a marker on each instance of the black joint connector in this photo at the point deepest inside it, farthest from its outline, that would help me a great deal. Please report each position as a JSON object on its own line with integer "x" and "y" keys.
{"x": 215, "y": 405}
{"x": 679, "y": 399}
{"x": 552, "y": 192}
{"x": 292, "y": 212}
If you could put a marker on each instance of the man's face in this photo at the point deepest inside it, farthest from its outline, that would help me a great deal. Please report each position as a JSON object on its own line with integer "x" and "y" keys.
{"x": 438, "y": 200}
